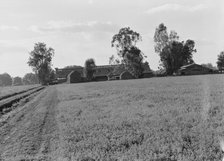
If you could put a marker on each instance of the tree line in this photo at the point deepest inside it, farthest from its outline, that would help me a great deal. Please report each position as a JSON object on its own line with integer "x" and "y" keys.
{"x": 172, "y": 51}
{"x": 28, "y": 79}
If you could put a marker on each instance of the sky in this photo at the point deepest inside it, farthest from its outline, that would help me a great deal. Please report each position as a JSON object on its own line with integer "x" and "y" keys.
{"x": 82, "y": 29}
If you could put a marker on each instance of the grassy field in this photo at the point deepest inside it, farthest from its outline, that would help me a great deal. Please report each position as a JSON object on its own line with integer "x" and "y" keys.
{"x": 173, "y": 117}
{"x": 14, "y": 89}
{"x": 180, "y": 118}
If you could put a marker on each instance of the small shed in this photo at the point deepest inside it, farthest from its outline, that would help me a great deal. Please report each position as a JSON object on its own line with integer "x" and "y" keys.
{"x": 74, "y": 77}
{"x": 194, "y": 69}
{"x": 126, "y": 75}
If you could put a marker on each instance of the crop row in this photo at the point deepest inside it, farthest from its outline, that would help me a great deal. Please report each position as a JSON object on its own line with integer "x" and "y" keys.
{"x": 8, "y": 102}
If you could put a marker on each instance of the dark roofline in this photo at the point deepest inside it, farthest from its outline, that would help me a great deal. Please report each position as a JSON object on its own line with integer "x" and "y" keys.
{"x": 69, "y": 68}
{"x": 97, "y": 66}
{"x": 185, "y": 66}
{"x": 105, "y": 66}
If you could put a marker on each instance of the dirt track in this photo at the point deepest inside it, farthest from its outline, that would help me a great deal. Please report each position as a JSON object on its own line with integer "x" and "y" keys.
{"x": 32, "y": 133}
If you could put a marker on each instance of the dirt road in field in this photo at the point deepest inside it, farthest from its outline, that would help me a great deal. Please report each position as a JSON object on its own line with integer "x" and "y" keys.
{"x": 31, "y": 132}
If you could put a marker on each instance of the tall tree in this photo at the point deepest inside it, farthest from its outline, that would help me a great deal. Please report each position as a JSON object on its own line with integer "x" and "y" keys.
{"x": 220, "y": 61}
{"x": 114, "y": 61}
{"x": 40, "y": 60}
{"x": 17, "y": 81}
{"x": 5, "y": 79}
{"x": 173, "y": 53}
{"x": 89, "y": 69}
{"x": 161, "y": 38}
{"x": 30, "y": 78}
{"x": 132, "y": 57}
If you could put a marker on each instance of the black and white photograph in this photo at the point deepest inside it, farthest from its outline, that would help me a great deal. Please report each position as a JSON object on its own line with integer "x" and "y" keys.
{"x": 111, "y": 80}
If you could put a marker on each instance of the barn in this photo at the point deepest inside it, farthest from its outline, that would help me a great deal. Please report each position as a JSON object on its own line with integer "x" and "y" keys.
{"x": 194, "y": 69}
{"x": 62, "y": 74}
{"x": 115, "y": 74}
{"x": 74, "y": 77}
{"x": 102, "y": 72}
{"x": 126, "y": 75}
{"x": 74, "y": 74}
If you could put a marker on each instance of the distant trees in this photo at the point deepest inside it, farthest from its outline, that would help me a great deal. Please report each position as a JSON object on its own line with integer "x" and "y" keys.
{"x": 30, "y": 78}
{"x": 209, "y": 65}
{"x": 220, "y": 61}
{"x": 132, "y": 57}
{"x": 89, "y": 69}
{"x": 17, "y": 81}
{"x": 173, "y": 53}
{"x": 40, "y": 60}
{"x": 5, "y": 79}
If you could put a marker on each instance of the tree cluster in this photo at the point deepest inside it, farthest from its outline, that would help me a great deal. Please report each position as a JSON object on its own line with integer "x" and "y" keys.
{"x": 28, "y": 79}
{"x": 220, "y": 61}
{"x": 89, "y": 69}
{"x": 40, "y": 60}
{"x": 5, "y": 79}
{"x": 173, "y": 53}
{"x": 17, "y": 81}
{"x": 131, "y": 56}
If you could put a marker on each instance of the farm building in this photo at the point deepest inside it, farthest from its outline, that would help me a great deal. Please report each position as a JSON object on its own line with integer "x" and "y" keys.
{"x": 74, "y": 74}
{"x": 120, "y": 72}
{"x": 126, "y": 75}
{"x": 194, "y": 69}
{"x": 62, "y": 74}
{"x": 74, "y": 77}
{"x": 102, "y": 72}
{"x": 117, "y": 71}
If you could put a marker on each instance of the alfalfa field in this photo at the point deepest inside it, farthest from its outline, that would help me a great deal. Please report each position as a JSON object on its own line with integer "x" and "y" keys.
{"x": 180, "y": 118}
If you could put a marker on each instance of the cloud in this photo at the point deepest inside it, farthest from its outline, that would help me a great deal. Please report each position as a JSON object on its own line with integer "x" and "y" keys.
{"x": 177, "y": 7}
{"x": 72, "y": 27}
{"x": 11, "y": 47}
{"x": 5, "y": 27}
{"x": 90, "y": 1}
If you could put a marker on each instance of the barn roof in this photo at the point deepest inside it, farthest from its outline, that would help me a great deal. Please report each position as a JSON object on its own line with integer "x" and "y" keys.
{"x": 100, "y": 70}
{"x": 118, "y": 70}
{"x": 189, "y": 65}
{"x": 192, "y": 65}
{"x": 103, "y": 70}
